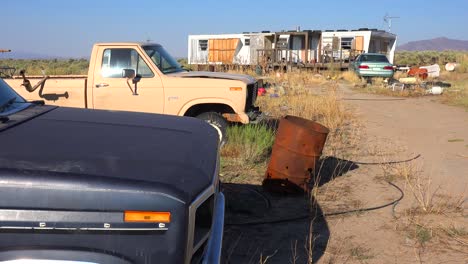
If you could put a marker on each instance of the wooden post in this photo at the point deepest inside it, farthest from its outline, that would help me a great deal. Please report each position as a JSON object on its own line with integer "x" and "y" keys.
{"x": 306, "y": 60}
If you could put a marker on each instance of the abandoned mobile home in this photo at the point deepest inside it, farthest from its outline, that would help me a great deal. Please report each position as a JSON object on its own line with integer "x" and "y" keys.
{"x": 306, "y": 48}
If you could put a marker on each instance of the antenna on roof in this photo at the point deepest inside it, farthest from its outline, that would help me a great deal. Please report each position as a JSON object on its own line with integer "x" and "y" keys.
{"x": 388, "y": 19}
{"x": 148, "y": 39}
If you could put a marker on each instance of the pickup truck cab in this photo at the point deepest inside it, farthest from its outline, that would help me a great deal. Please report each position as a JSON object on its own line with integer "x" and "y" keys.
{"x": 144, "y": 77}
{"x": 98, "y": 187}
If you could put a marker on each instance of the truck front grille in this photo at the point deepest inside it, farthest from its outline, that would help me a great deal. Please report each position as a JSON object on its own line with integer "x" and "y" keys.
{"x": 200, "y": 222}
{"x": 203, "y": 220}
{"x": 252, "y": 90}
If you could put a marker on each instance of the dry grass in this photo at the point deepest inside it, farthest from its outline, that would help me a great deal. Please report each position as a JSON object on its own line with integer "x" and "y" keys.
{"x": 245, "y": 156}
{"x": 456, "y": 95}
{"x": 428, "y": 222}
{"x": 428, "y": 199}
{"x": 382, "y": 88}
{"x": 324, "y": 109}
{"x": 428, "y": 233}
{"x": 338, "y": 250}
{"x": 351, "y": 77}
{"x": 314, "y": 97}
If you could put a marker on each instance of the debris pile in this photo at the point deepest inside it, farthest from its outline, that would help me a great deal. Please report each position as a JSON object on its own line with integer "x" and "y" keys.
{"x": 424, "y": 77}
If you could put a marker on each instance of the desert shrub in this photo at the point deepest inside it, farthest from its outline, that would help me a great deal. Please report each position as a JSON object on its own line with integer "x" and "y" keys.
{"x": 49, "y": 66}
{"x": 418, "y": 58}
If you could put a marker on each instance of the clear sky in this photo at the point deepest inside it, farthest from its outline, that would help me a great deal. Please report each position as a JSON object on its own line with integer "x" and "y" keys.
{"x": 68, "y": 28}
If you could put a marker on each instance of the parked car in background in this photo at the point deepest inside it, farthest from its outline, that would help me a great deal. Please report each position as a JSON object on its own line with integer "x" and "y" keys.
{"x": 370, "y": 65}
{"x": 106, "y": 187}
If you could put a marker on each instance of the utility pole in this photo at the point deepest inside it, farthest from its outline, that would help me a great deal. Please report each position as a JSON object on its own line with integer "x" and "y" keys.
{"x": 388, "y": 19}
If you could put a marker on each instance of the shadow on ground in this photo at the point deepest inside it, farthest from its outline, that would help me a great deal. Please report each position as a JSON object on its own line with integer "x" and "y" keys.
{"x": 263, "y": 226}
{"x": 329, "y": 168}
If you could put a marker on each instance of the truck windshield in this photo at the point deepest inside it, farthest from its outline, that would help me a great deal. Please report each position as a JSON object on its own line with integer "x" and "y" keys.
{"x": 163, "y": 60}
{"x": 10, "y": 101}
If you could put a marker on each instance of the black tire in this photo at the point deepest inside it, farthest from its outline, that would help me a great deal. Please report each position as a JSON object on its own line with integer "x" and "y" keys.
{"x": 218, "y": 122}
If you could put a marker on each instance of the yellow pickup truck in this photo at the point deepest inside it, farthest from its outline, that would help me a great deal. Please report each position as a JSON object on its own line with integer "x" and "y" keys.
{"x": 144, "y": 77}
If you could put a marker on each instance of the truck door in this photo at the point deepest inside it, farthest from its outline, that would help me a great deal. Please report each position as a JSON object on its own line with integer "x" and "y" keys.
{"x": 110, "y": 90}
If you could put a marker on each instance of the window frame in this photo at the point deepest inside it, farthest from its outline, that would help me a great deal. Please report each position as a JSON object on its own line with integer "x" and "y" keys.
{"x": 203, "y": 46}
{"x": 348, "y": 40}
{"x": 133, "y": 64}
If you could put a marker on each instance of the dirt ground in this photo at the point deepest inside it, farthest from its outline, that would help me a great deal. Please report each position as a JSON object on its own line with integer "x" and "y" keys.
{"x": 258, "y": 229}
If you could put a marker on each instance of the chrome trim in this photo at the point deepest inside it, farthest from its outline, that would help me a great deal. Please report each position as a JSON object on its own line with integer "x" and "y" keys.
{"x": 215, "y": 243}
{"x": 124, "y": 229}
{"x": 212, "y": 189}
{"x": 44, "y": 261}
{"x": 197, "y": 246}
{"x": 82, "y": 228}
{"x": 191, "y": 222}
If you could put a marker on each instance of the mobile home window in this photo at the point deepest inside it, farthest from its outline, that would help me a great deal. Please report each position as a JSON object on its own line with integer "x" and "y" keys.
{"x": 346, "y": 43}
{"x": 203, "y": 44}
{"x": 327, "y": 43}
{"x": 247, "y": 42}
{"x": 282, "y": 43}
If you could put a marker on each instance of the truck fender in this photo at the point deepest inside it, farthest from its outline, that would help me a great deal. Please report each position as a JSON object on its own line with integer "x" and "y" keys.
{"x": 232, "y": 115}
{"x": 215, "y": 101}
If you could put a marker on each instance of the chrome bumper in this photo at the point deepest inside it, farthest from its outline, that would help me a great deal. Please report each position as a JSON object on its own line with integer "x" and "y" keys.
{"x": 215, "y": 242}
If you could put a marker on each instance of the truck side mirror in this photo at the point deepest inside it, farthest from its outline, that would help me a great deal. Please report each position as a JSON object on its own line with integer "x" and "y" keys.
{"x": 130, "y": 74}
{"x": 136, "y": 79}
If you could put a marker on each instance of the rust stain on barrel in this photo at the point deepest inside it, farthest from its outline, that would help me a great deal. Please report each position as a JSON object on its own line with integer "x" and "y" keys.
{"x": 298, "y": 145}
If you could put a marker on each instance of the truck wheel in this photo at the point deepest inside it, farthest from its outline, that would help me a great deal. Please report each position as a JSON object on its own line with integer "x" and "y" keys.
{"x": 218, "y": 122}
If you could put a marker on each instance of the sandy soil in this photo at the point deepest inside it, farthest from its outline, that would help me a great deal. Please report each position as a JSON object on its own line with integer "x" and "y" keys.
{"x": 394, "y": 130}
{"x": 438, "y": 132}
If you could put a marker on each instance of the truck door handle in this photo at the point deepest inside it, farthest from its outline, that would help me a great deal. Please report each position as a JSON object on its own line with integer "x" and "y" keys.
{"x": 99, "y": 85}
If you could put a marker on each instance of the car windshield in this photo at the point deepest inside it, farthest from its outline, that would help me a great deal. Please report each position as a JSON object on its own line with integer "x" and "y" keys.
{"x": 10, "y": 101}
{"x": 374, "y": 58}
{"x": 163, "y": 60}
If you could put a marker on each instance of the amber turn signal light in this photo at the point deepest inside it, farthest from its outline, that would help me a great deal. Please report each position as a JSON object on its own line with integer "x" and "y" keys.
{"x": 147, "y": 217}
{"x": 235, "y": 88}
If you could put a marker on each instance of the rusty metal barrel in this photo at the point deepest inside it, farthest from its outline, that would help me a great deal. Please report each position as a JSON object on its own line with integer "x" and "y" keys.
{"x": 298, "y": 146}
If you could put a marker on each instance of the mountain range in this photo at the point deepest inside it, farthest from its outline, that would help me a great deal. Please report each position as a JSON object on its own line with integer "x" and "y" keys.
{"x": 25, "y": 55}
{"x": 438, "y": 44}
